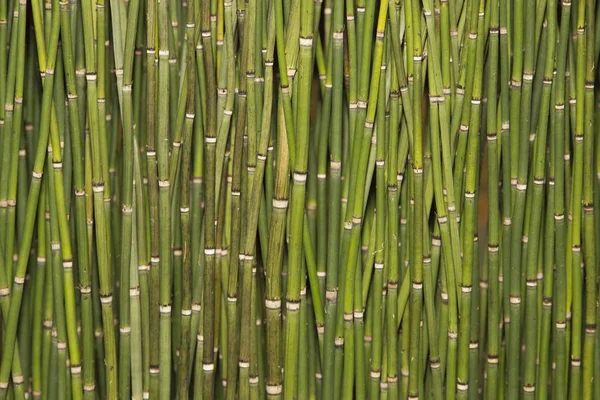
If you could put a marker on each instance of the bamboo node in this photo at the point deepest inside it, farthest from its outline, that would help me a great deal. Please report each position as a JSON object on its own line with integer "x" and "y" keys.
{"x": 165, "y": 309}
{"x": 466, "y": 288}
{"x": 515, "y": 300}
{"x": 339, "y": 342}
{"x": 125, "y": 330}
{"x": 274, "y": 390}
{"x": 196, "y": 307}
{"x": 241, "y": 364}
{"x": 417, "y": 285}
{"x": 19, "y": 280}
{"x": 483, "y": 285}
{"x": 5, "y": 291}
{"x": 378, "y": 266}
{"x": 492, "y": 359}
{"x": 67, "y": 264}
{"x": 272, "y": 304}
{"x": 575, "y": 362}
{"x": 306, "y": 41}
{"x": 559, "y": 217}
{"x": 590, "y": 329}
{"x": 358, "y": 315}
{"x": 531, "y": 282}
{"x": 292, "y": 305}
{"x": 375, "y": 374}
{"x": 280, "y": 204}
{"x": 300, "y": 177}
{"x": 462, "y": 387}
{"x": 154, "y": 370}
{"x": 106, "y": 299}
{"x": 88, "y": 76}
{"x": 473, "y": 345}
{"x": 493, "y": 248}
{"x": 36, "y": 174}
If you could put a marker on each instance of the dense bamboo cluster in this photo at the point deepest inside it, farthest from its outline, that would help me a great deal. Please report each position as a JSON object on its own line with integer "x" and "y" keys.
{"x": 299, "y": 199}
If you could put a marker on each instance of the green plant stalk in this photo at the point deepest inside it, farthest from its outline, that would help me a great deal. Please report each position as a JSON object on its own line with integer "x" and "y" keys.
{"x": 274, "y": 384}
{"x": 538, "y": 167}
{"x": 143, "y": 267}
{"x": 248, "y": 237}
{"x": 235, "y": 193}
{"x": 101, "y": 225}
{"x": 32, "y": 199}
{"x": 126, "y": 198}
{"x": 38, "y": 307}
{"x": 152, "y": 173}
{"x": 59, "y": 329}
{"x": 135, "y": 303}
{"x": 469, "y": 212}
{"x": 300, "y": 168}
{"x": 334, "y": 188}
{"x": 208, "y": 365}
{"x": 8, "y": 132}
{"x": 164, "y": 217}
{"x": 560, "y": 315}
{"x": 589, "y": 233}
{"x": 66, "y": 249}
{"x": 416, "y": 251}
{"x": 187, "y": 276}
{"x": 105, "y": 120}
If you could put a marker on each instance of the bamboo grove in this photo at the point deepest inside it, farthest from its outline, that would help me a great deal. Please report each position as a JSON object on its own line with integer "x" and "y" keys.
{"x": 299, "y": 199}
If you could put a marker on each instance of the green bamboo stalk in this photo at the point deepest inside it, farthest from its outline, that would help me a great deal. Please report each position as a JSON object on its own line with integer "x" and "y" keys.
{"x": 19, "y": 277}
{"x": 589, "y": 234}
{"x": 208, "y": 365}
